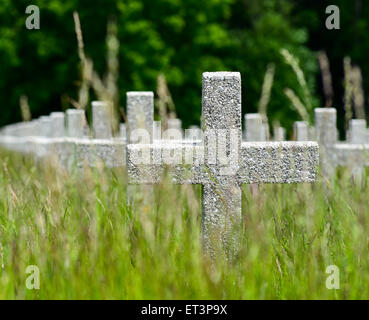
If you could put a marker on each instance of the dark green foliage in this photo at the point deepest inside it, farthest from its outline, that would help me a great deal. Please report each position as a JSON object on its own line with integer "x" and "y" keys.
{"x": 181, "y": 38}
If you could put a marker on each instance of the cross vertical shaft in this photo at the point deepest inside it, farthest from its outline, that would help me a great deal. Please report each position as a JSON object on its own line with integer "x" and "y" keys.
{"x": 326, "y": 134}
{"x": 101, "y": 120}
{"x": 221, "y": 196}
{"x": 140, "y": 117}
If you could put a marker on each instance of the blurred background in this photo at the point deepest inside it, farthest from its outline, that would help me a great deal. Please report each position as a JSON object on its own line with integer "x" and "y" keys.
{"x": 290, "y": 63}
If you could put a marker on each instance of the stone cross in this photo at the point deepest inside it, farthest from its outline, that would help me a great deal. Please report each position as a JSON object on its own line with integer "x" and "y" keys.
{"x": 254, "y": 127}
{"x": 58, "y": 134}
{"x": 101, "y": 120}
{"x": 279, "y": 134}
{"x": 140, "y": 115}
{"x": 123, "y": 131}
{"x": 357, "y": 130}
{"x": 57, "y": 124}
{"x": 222, "y": 162}
{"x": 43, "y": 144}
{"x": 325, "y": 130}
{"x": 45, "y": 126}
{"x": 354, "y": 154}
{"x": 13, "y": 137}
{"x": 254, "y": 132}
{"x": 156, "y": 131}
{"x": 140, "y": 128}
{"x": 175, "y": 124}
{"x": 103, "y": 149}
{"x": 193, "y": 133}
{"x": 301, "y": 131}
{"x": 76, "y": 122}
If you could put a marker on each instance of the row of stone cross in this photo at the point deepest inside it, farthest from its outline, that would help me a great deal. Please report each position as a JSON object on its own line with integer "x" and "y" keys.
{"x": 352, "y": 153}
{"x": 214, "y": 157}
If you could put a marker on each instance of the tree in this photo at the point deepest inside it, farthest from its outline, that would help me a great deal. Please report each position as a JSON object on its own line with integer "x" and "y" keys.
{"x": 179, "y": 38}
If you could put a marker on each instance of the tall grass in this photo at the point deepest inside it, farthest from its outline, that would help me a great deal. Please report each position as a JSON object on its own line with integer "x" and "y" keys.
{"x": 87, "y": 244}
{"x": 105, "y": 88}
{"x": 164, "y": 102}
{"x": 25, "y": 109}
{"x": 303, "y": 107}
{"x": 326, "y": 78}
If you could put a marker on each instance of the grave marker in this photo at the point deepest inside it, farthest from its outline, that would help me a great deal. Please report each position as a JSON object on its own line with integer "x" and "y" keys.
{"x": 57, "y": 124}
{"x": 254, "y": 127}
{"x": 101, "y": 120}
{"x": 140, "y": 118}
{"x": 279, "y": 134}
{"x": 103, "y": 149}
{"x": 76, "y": 122}
{"x": 222, "y": 167}
{"x": 334, "y": 153}
{"x": 140, "y": 114}
{"x": 301, "y": 131}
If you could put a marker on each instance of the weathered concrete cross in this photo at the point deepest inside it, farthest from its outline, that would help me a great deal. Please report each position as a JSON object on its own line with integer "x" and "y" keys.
{"x": 222, "y": 163}
{"x": 103, "y": 148}
{"x": 301, "y": 131}
{"x": 353, "y": 154}
{"x": 254, "y": 128}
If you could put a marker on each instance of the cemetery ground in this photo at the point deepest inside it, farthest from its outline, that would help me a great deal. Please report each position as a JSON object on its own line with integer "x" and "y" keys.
{"x": 88, "y": 244}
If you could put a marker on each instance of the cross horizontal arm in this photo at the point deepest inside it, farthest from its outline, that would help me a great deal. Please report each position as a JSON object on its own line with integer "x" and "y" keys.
{"x": 110, "y": 152}
{"x": 349, "y": 155}
{"x": 147, "y": 164}
{"x": 278, "y": 162}
{"x": 260, "y": 162}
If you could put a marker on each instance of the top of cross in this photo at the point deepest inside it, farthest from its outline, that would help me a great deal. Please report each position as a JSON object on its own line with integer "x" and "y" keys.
{"x": 278, "y": 162}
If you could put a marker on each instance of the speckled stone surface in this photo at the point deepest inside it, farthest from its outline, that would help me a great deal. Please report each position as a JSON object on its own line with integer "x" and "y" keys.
{"x": 140, "y": 116}
{"x": 199, "y": 163}
{"x": 110, "y": 152}
{"x": 221, "y": 198}
{"x": 254, "y": 127}
{"x": 263, "y": 162}
{"x": 101, "y": 120}
{"x": 301, "y": 131}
